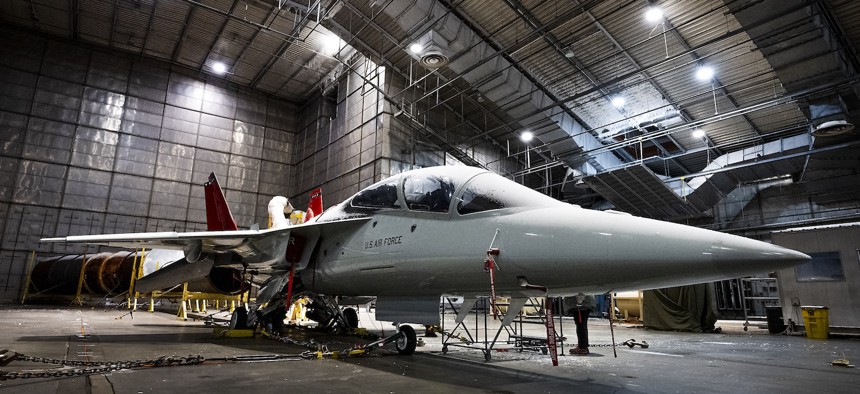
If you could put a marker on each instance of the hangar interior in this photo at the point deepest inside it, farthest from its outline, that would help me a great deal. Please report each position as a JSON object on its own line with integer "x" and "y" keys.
{"x": 735, "y": 116}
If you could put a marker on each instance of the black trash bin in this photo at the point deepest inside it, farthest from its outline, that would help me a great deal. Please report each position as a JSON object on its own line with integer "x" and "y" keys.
{"x": 775, "y": 324}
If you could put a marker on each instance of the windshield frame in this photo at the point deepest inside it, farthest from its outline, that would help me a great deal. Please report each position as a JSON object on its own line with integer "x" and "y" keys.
{"x": 534, "y": 199}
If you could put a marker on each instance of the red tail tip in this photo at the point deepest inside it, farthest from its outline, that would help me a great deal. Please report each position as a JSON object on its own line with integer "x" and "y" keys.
{"x": 315, "y": 206}
{"x": 218, "y": 215}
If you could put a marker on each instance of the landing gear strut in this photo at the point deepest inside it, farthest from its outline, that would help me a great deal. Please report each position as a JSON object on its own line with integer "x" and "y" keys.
{"x": 404, "y": 341}
{"x": 325, "y": 311}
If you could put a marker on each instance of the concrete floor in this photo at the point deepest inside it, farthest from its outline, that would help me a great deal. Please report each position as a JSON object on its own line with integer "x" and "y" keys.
{"x": 731, "y": 361}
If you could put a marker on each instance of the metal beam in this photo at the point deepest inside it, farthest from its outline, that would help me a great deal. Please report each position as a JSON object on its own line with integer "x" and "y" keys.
{"x": 420, "y": 126}
{"x": 113, "y": 24}
{"x": 297, "y": 28}
{"x": 148, "y": 27}
{"x": 394, "y": 68}
{"x": 711, "y": 41}
{"x": 218, "y": 36}
{"x": 254, "y": 36}
{"x": 645, "y": 74}
{"x": 73, "y": 19}
{"x": 178, "y": 47}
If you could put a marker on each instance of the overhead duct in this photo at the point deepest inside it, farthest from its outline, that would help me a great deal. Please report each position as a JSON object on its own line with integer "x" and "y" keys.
{"x": 638, "y": 190}
{"x": 752, "y": 154}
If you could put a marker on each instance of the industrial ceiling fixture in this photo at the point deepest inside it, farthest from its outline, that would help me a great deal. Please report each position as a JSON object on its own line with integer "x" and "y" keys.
{"x": 654, "y": 14}
{"x": 433, "y": 58}
{"x": 527, "y": 136}
{"x": 429, "y": 50}
{"x": 704, "y": 73}
{"x": 832, "y": 128}
{"x": 219, "y": 68}
{"x": 568, "y": 52}
{"x": 331, "y": 44}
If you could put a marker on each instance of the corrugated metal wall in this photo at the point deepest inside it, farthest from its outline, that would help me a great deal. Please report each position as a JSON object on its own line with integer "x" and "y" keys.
{"x": 838, "y": 295}
{"x": 352, "y": 139}
{"x": 97, "y": 142}
{"x": 339, "y": 146}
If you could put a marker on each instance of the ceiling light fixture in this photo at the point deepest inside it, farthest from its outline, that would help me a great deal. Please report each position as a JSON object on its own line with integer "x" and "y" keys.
{"x": 618, "y": 101}
{"x": 416, "y": 47}
{"x": 698, "y": 133}
{"x": 832, "y": 128}
{"x": 653, "y": 15}
{"x": 219, "y": 68}
{"x": 331, "y": 44}
{"x": 568, "y": 52}
{"x": 526, "y": 136}
{"x": 704, "y": 73}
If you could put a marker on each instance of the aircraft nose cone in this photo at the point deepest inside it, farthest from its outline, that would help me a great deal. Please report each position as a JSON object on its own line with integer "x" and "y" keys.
{"x": 565, "y": 248}
{"x": 735, "y": 252}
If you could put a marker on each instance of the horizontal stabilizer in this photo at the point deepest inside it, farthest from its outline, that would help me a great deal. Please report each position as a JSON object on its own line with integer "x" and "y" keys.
{"x": 179, "y": 272}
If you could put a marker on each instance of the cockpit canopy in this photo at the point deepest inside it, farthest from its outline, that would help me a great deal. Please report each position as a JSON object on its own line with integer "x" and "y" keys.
{"x": 466, "y": 190}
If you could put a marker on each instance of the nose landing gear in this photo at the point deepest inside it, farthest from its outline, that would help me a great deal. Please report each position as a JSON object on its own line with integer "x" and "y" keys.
{"x": 406, "y": 341}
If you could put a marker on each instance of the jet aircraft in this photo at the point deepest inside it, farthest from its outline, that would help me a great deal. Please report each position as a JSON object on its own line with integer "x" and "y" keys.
{"x": 421, "y": 234}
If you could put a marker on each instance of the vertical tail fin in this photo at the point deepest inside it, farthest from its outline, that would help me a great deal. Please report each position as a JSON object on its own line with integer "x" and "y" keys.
{"x": 218, "y": 215}
{"x": 315, "y": 206}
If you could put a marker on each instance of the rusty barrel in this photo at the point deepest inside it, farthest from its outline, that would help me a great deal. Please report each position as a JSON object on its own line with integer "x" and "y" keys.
{"x": 57, "y": 275}
{"x": 109, "y": 273}
{"x": 104, "y": 273}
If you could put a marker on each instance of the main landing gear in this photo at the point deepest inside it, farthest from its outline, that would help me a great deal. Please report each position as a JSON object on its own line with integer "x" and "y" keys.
{"x": 332, "y": 318}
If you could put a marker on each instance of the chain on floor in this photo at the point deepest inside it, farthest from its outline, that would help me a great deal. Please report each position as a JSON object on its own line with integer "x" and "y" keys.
{"x": 69, "y": 368}
{"x": 81, "y": 368}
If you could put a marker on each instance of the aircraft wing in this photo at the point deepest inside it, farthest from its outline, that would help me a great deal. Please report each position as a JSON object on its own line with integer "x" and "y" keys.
{"x": 168, "y": 239}
{"x": 254, "y": 246}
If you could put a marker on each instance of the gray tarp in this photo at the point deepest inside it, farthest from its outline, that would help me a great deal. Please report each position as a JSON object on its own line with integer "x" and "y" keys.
{"x": 684, "y": 308}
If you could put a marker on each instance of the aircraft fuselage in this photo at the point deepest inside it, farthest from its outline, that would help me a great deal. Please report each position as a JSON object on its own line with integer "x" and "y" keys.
{"x": 564, "y": 248}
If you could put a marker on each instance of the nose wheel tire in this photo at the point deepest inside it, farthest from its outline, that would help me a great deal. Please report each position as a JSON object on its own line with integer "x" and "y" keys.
{"x": 406, "y": 343}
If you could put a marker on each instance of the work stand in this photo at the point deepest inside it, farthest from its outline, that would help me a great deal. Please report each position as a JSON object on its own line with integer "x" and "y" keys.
{"x": 510, "y": 334}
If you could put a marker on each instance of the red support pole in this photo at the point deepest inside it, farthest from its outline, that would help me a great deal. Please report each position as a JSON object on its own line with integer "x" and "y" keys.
{"x": 550, "y": 333}
{"x": 490, "y": 265}
{"x": 289, "y": 298}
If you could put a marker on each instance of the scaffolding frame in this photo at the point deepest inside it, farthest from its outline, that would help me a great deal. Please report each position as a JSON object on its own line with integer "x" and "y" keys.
{"x": 513, "y": 322}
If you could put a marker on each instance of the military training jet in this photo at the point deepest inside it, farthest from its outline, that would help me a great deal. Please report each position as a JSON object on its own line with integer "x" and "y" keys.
{"x": 421, "y": 234}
